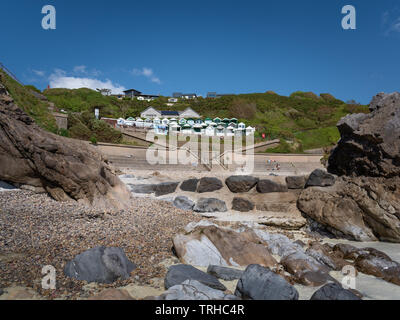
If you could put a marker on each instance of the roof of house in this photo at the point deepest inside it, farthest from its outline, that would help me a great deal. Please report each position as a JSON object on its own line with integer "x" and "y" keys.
{"x": 169, "y": 113}
{"x": 130, "y": 90}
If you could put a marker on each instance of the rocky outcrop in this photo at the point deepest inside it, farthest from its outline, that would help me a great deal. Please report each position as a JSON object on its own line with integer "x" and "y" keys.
{"x": 209, "y": 184}
{"x": 100, "y": 264}
{"x": 208, "y": 244}
{"x": 240, "y": 184}
{"x": 370, "y": 143}
{"x": 65, "y": 168}
{"x": 259, "y": 283}
{"x": 210, "y": 205}
{"x": 361, "y": 208}
{"x": 177, "y": 274}
{"x": 242, "y": 205}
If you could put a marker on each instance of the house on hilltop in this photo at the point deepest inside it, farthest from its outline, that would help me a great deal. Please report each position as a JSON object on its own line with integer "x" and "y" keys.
{"x": 151, "y": 113}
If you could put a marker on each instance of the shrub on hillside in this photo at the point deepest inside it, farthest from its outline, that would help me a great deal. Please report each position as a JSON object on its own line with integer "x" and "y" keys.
{"x": 242, "y": 109}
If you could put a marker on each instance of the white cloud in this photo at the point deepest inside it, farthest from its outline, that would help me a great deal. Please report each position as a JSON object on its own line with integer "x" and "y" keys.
{"x": 391, "y": 22}
{"x": 148, "y": 73}
{"x": 59, "y": 79}
{"x": 39, "y": 73}
{"x": 80, "y": 69}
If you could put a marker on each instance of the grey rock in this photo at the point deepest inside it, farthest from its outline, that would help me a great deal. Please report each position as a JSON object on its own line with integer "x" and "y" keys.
{"x": 295, "y": 182}
{"x": 1, "y": 291}
{"x": 177, "y": 274}
{"x": 190, "y": 185}
{"x": 141, "y": 188}
{"x": 238, "y": 184}
{"x": 210, "y": 205}
{"x": 183, "y": 203}
{"x": 194, "y": 290}
{"x": 333, "y": 291}
{"x": 165, "y": 188}
{"x": 100, "y": 264}
{"x": 243, "y": 205}
{"x": 259, "y": 283}
{"x": 224, "y": 273}
{"x": 209, "y": 184}
{"x": 320, "y": 178}
{"x": 268, "y": 186}
{"x": 382, "y": 100}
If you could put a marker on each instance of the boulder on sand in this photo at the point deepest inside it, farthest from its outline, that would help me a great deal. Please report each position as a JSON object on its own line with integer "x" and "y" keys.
{"x": 242, "y": 205}
{"x": 209, "y": 184}
{"x": 194, "y": 290}
{"x": 320, "y": 178}
{"x": 210, "y": 205}
{"x": 177, "y": 274}
{"x": 295, "y": 182}
{"x": 239, "y": 184}
{"x": 189, "y": 185}
{"x": 267, "y": 186}
{"x": 183, "y": 203}
{"x": 333, "y": 291}
{"x": 227, "y": 274}
{"x": 259, "y": 283}
{"x": 100, "y": 264}
{"x": 65, "y": 168}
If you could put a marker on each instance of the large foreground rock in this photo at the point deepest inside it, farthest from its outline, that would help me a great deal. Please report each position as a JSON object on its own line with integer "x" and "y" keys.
{"x": 239, "y": 184}
{"x": 194, "y": 290}
{"x": 177, "y": 274}
{"x": 370, "y": 143}
{"x": 100, "y": 264}
{"x": 206, "y": 244}
{"x": 333, "y": 291}
{"x": 259, "y": 283}
{"x": 65, "y": 168}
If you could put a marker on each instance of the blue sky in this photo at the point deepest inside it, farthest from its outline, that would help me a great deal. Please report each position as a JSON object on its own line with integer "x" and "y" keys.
{"x": 189, "y": 46}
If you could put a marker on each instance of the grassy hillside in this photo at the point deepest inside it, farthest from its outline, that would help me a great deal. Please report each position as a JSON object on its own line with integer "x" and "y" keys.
{"x": 303, "y": 120}
{"x": 27, "y": 101}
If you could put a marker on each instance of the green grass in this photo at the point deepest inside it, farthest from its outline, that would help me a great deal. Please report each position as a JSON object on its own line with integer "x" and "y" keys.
{"x": 24, "y": 98}
{"x": 306, "y": 119}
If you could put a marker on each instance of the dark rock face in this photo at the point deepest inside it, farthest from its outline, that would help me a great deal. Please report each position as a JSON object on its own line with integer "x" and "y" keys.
{"x": 65, "y": 168}
{"x": 100, "y": 264}
{"x": 267, "y": 186}
{"x": 224, "y": 273}
{"x": 183, "y": 203}
{"x": 259, "y": 283}
{"x": 320, "y": 178}
{"x": 190, "y": 185}
{"x": 242, "y": 205}
{"x": 209, "y": 184}
{"x": 333, "y": 291}
{"x": 177, "y": 274}
{"x": 295, "y": 182}
{"x": 165, "y": 188}
{"x": 238, "y": 184}
{"x": 210, "y": 205}
{"x": 370, "y": 143}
